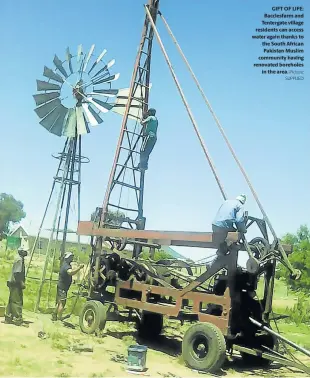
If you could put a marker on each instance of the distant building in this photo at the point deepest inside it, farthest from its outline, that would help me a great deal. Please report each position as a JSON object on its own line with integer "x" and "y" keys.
{"x": 18, "y": 237}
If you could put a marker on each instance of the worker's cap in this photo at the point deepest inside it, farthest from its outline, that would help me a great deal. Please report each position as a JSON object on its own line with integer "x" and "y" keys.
{"x": 152, "y": 111}
{"x": 22, "y": 251}
{"x": 241, "y": 198}
{"x": 68, "y": 255}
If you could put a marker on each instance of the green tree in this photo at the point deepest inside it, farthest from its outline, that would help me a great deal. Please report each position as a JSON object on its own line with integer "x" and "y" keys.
{"x": 114, "y": 217}
{"x": 11, "y": 211}
{"x": 300, "y": 258}
{"x": 158, "y": 255}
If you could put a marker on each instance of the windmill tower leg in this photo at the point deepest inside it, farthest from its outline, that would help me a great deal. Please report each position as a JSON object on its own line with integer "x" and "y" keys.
{"x": 65, "y": 159}
{"x": 37, "y": 239}
{"x": 124, "y": 173}
{"x": 70, "y": 183}
{"x": 70, "y": 165}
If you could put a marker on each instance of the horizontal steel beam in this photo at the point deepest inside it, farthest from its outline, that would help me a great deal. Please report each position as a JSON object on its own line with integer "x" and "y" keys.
{"x": 174, "y": 238}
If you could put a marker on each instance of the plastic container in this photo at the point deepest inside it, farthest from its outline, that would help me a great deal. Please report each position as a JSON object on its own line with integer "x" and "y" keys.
{"x": 137, "y": 357}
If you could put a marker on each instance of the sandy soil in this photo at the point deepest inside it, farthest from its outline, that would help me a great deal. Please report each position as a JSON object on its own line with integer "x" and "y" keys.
{"x": 23, "y": 353}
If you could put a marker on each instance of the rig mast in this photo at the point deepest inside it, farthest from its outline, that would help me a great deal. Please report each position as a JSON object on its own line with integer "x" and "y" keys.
{"x": 124, "y": 173}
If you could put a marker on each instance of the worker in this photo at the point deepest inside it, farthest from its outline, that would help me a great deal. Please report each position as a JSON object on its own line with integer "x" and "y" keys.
{"x": 150, "y": 124}
{"x": 229, "y": 218}
{"x": 64, "y": 282}
{"x": 16, "y": 285}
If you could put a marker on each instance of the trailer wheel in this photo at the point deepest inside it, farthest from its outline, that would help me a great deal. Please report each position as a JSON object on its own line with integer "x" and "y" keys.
{"x": 267, "y": 340}
{"x": 150, "y": 325}
{"x": 204, "y": 347}
{"x": 93, "y": 317}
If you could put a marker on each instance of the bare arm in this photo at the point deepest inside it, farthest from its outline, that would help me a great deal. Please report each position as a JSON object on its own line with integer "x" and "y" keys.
{"x": 72, "y": 272}
{"x": 144, "y": 121}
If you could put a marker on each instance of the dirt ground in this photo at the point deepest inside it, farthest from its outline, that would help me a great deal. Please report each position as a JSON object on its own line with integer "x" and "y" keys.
{"x": 23, "y": 353}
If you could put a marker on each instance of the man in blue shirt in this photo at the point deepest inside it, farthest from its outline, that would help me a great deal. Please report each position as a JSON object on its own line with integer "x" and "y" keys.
{"x": 150, "y": 125}
{"x": 229, "y": 218}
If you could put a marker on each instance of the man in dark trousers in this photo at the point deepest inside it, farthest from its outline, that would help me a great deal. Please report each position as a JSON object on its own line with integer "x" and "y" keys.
{"x": 229, "y": 218}
{"x": 16, "y": 284}
{"x": 150, "y": 125}
{"x": 64, "y": 282}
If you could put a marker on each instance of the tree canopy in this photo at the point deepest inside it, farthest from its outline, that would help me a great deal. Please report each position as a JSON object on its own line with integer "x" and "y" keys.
{"x": 300, "y": 258}
{"x": 11, "y": 211}
{"x": 114, "y": 218}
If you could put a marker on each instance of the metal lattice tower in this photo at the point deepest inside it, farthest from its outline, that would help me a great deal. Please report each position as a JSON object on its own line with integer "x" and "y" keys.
{"x": 124, "y": 173}
{"x": 68, "y": 181}
{"x": 76, "y": 95}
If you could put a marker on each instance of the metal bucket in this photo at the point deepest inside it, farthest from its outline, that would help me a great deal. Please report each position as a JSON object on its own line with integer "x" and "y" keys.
{"x": 136, "y": 357}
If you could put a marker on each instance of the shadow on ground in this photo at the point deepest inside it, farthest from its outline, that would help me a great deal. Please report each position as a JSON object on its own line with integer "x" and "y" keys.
{"x": 172, "y": 346}
{"x": 166, "y": 344}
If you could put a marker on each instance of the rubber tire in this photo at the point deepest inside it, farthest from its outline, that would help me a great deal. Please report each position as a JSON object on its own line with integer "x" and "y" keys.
{"x": 216, "y": 354}
{"x": 255, "y": 361}
{"x": 150, "y": 325}
{"x": 100, "y": 313}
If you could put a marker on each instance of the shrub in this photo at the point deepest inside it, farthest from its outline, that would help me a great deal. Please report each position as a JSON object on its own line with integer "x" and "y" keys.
{"x": 300, "y": 313}
{"x": 300, "y": 258}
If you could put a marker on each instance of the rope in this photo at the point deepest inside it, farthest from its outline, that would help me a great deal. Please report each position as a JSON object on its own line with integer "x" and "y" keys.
{"x": 284, "y": 256}
{"x": 205, "y": 150}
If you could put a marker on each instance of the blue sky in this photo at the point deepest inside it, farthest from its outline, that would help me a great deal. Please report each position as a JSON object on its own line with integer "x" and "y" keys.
{"x": 265, "y": 117}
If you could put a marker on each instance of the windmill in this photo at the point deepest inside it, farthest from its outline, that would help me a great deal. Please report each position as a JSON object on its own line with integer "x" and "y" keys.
{"x": 72, "y": 98}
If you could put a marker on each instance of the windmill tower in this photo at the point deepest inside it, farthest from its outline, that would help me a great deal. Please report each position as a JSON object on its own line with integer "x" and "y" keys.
{"x": 73, "y": 98}
{"x": 125, "y": 189}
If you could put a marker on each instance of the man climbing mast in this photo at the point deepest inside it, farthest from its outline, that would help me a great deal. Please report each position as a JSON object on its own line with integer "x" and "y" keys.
{"x": 150, "y": 125}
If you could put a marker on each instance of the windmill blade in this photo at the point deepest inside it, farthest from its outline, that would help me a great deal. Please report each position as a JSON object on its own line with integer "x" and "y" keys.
{"x": 88, "y": 56}
{"x": 58, "y": 126}
{"x": 96, "y": 105}
{"x": 52, "y": 75}
{"x": 106, "y": 67}
{"x": 107, "y": 79}
{"x": 105, "y": 105}
{"x": 105, "y": 92}
{"x": 81, "y": 67}
{"x": 47, "y": 86}
{"x": 70, "y": 124}
{"x": 97, "y": 60}
{"x": 92, "y": 116}
{"x": 48, "y": 122}
{"x": 68, "y": 58}
{"x": 79, "y": 53}
{"x": 45, "y": 97}
{"x": 43, "y": 110}
{"x": 59, "y": 66}
{"x": 80, "y": 121}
